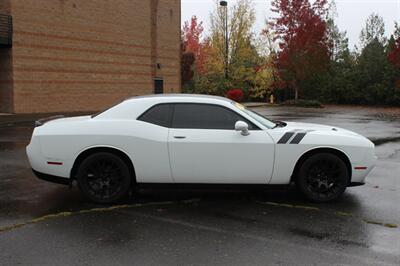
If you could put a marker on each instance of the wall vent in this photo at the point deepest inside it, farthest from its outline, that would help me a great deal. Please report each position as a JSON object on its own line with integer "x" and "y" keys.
{"x": 6, "y": 31}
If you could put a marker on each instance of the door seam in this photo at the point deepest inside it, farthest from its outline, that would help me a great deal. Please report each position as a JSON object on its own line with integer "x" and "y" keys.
{"x": 169, "y": 156}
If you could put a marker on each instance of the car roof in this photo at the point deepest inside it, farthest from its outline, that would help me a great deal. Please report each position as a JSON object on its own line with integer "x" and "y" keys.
{"x": 178, "y": 96}
{"x": 135, "y": 106}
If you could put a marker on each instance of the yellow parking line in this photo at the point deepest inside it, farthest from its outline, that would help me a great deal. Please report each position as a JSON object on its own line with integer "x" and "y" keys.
{"x": 310, "y": 208}
{"x": 125, "y": 206}
{"x": 389, "y": 225}
{"x": 105, "y": 209}
{"x": 337, "y": 213}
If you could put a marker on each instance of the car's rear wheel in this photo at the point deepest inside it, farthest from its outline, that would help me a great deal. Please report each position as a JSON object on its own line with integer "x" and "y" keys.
{"x": 322, "y": 177}
{"x": 104, "y": 178}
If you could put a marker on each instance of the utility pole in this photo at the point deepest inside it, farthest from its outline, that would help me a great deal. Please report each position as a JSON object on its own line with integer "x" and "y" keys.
{"x": 224, "y": 4}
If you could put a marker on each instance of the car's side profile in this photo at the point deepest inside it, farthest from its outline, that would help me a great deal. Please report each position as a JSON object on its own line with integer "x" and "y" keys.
{"x": 195, "y": 139}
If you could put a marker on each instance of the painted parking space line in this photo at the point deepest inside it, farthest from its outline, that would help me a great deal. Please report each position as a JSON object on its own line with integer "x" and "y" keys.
{"x": 92, "y": 210}
{"x": 336, "y": 213}
{"x": 137, "y": 205}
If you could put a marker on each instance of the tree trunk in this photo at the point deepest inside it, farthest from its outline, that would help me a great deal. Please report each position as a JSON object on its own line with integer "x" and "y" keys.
{"x": 296, "y": 89}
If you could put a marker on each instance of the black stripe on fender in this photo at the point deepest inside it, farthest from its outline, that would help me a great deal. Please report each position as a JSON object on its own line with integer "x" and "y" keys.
{"x": 285, "y": 137}
{"x": 298, "y": 138}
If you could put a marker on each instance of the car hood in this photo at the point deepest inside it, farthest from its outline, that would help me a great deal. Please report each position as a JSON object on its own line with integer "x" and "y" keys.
{"x": 295, "y": 126}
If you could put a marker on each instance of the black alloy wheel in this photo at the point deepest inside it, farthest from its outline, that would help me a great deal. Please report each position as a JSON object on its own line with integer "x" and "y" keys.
{"x": 323, "y": 177}
{"x": 104, "y": 178}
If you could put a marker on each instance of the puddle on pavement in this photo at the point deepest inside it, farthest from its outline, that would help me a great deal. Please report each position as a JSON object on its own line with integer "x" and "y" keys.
{"x": 326, "y": 236}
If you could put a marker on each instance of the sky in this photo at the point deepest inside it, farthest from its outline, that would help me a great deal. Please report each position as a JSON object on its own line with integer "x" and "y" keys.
{"x": 351, "y": 14}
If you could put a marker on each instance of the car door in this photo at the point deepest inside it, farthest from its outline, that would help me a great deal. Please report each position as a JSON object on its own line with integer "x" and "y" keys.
{"x": 205, "y": 148}
{"x": 149, "y": 147}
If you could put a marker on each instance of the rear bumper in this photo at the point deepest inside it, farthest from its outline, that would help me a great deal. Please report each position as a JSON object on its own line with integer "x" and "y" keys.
{"x": 40, "y": 163}
{"x": 52, "y": 178}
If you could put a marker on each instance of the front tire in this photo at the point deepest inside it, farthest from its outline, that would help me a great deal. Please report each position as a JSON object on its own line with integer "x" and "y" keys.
{"x": 104, "y": 178}
{"x": 323, "y": 177}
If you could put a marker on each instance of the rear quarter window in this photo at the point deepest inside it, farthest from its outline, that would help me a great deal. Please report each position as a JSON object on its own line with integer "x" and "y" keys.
{"x": 159, "y": 115}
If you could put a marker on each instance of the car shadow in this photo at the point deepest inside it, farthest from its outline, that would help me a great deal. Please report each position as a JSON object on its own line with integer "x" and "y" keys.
{"x": 53, "y": 199}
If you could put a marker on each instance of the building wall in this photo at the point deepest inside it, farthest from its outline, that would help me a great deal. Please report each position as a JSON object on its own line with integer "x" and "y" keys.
{"x": 6, "y": 88}
{"x": 168, "y": 15}
{"x": 84, "y": 55}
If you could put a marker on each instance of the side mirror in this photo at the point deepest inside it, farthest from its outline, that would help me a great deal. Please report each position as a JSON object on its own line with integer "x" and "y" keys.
{"x": 243, "y": 127}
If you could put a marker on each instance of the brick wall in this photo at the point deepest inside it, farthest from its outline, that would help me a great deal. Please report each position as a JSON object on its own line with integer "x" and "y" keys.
{"x": 84, "y": 55}
{"x": 6, "y": 92}
{"x": 168, "y": 43}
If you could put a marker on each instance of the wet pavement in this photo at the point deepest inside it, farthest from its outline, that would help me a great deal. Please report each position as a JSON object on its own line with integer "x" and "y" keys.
{"x": 48, "y": 224}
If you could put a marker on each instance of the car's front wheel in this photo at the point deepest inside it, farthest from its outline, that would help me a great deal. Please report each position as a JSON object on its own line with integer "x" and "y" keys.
{"x": 322, "y": 177}
{"x": 104, "y": 178}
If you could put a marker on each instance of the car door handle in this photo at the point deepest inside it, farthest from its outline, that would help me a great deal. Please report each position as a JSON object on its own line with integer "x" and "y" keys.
{"x": 179, "y": 137}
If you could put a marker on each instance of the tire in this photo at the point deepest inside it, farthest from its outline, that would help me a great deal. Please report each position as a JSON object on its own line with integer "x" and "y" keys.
{"x": 104, "y": 178}
{"x": 323, "y": 177}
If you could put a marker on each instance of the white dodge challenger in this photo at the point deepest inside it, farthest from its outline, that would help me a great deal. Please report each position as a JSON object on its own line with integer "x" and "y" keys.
{"x": 183, "y": 138}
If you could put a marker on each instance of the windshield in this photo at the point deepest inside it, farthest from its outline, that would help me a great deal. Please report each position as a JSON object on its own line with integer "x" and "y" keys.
{"x": 261, "y": 119}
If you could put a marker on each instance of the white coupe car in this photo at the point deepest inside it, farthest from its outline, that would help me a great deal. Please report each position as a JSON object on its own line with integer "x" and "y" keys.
{"x": 195, "y": 139}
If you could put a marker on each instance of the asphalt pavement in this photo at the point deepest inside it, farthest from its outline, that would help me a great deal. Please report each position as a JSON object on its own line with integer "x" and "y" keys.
{"x": 47, "y": 224}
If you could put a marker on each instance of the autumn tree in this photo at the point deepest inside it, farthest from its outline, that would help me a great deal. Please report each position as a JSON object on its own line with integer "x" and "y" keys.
{"x": 263, "y": 79}
{"x": 302, "y": 32}
{"x": 242, "y": 55}
{"x": 265, "y": 76}
{"x": 394, "y": 52}
{"x": 393, "y": 55}
{"x": 241, "y": 18}
{"x": 266, "y": 45}
{"x": 192, "y": 38}
{"x": 187, "y": 62}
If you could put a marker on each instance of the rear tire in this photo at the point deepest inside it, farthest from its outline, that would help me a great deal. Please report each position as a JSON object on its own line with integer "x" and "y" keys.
{"x": 323, "y": 177}
{"x": 104, "y": 178}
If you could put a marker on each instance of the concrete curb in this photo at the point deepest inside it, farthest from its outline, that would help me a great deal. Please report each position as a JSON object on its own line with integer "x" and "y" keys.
{"x": 259, "y": 104}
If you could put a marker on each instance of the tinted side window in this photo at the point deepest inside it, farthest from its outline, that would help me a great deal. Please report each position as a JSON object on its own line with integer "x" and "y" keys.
{"x": 158, "y": 115}
{"x": 205, "y": 116}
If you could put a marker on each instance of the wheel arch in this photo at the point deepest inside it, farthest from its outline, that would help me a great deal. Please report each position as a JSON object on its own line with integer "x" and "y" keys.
{"x": 92, "y": 150}
{"x": 342, "y": 155}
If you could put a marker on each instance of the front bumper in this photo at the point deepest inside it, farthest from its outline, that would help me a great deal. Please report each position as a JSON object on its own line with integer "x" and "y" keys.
{"x": 359, "y": 174}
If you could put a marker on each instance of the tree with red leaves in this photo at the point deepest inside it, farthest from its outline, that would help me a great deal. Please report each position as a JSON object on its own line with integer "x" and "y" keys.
{"x": 191, "y": 35}
{"x": 302, "y": 33}
{"x": 187, "y": 61}
{"x": 394, "y": 59}
{"x": 394, "y": 55}
{"x": 235, "y": 95}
